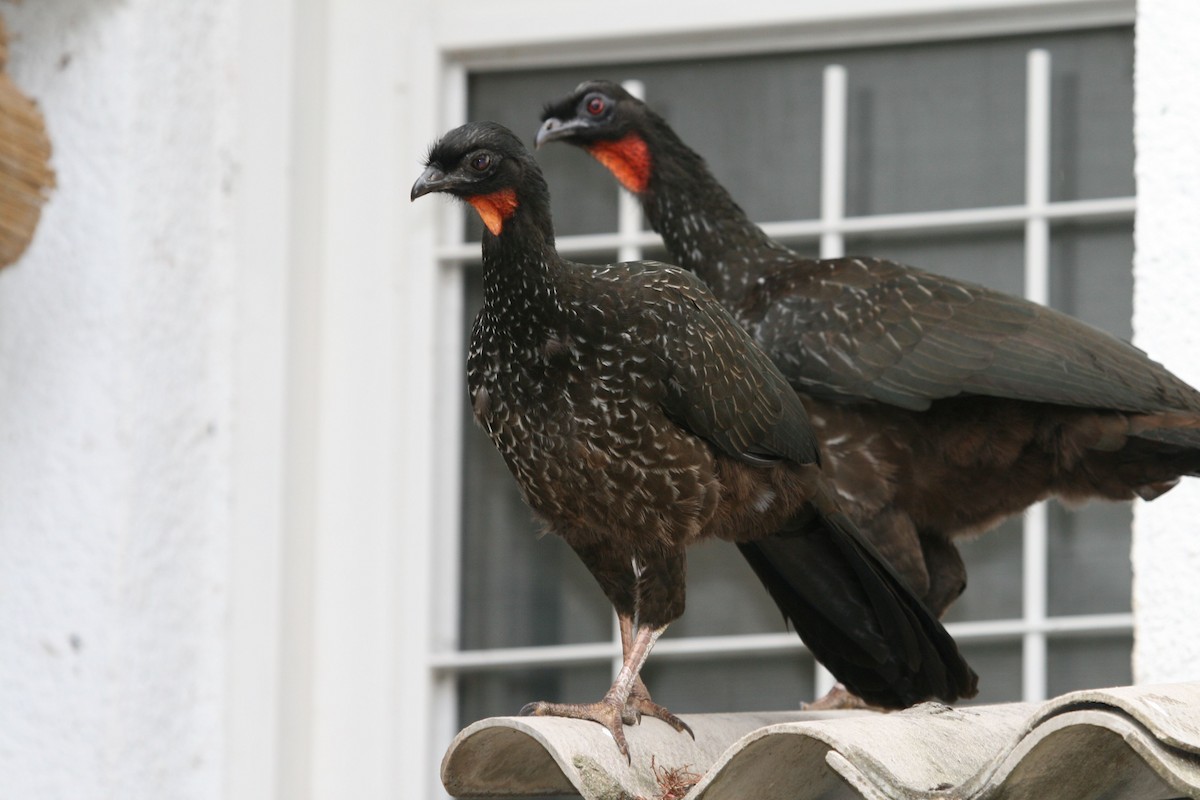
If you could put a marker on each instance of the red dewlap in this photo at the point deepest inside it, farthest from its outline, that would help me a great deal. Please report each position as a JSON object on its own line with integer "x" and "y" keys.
{"x": 627, "y": 158}
{"x": 495, "y": 208}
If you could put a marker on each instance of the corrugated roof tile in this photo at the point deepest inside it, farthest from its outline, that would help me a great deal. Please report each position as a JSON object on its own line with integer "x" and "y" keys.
{"x": 1138, "y": 742}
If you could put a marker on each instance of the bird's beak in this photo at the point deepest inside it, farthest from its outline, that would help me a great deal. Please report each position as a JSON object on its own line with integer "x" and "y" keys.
{"x": 554, "y": 129}
{"x": 431, "y": 180}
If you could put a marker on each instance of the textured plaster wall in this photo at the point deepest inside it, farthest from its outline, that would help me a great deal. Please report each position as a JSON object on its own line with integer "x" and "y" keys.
{"x": 1166, "y": 549}
{"x": 115, "y": 408}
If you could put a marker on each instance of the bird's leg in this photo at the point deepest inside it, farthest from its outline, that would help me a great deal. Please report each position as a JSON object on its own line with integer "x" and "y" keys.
{"x": 633, "y": 713}
{"x": 947, "y": 573}
{"x": 639, "y": 703}
{"x": 609, "y": 711}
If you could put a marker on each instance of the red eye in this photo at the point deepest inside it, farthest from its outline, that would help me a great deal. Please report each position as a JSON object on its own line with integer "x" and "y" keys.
{"x": 595, "y": 105}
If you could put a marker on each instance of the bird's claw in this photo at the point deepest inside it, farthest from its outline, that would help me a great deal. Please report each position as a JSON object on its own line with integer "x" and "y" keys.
{"x": 638, "y": 707}
{"x": 604, "y": 712}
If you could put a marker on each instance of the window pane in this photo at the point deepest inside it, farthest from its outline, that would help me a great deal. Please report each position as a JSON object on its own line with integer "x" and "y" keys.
{"x": 503, "y": 693}
{"x": 931, "y": 126}
{"x": 769, "y": 157}
{"x": 768, "y": 683}
{"x": 1086, "y": 663}
{"x": 1091, "y": 274}
{"x": 993, "y": 575}
{"x": 755, "y": 120}
{"x": 1092, "y": 114}
{"x": 1092, "y": 278}
{"x": 936, "y": 127}
{"x": 724, "y": 597}
{"x": 990, "y": 258}
{"x": 943, "y": 126}
{"x": 1089, "y": 556}
{"x": 998, "y": 665}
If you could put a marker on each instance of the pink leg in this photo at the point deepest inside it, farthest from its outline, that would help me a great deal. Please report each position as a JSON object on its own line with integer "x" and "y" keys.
{"x": 609, "y": 711}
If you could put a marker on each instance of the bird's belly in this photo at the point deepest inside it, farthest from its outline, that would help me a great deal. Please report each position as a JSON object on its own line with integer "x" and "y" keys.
{"x": 610, "y": 470}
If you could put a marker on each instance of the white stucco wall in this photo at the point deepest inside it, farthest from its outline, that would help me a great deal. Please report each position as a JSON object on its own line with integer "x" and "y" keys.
{"x": 1166, "y": 549}
{"x": 215, "y": 483}
{"x": 115, "y": 340}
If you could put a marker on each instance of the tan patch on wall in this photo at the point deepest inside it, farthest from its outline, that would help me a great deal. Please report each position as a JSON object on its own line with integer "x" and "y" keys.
{"x": 25, "y": 174}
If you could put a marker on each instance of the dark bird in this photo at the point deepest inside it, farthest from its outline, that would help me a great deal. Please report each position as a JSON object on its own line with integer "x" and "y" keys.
{"x": 638, "y": 419}
{"x": 941, "y": 407}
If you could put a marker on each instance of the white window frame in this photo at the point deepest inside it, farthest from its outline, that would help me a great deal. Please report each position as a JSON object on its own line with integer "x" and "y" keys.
{"x": 863, "y": 24}
{"x": 335, "y": 611}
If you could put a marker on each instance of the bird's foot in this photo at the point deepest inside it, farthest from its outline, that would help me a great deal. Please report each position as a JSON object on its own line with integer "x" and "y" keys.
{"x": 839, "y": 698}
{"x": 607, "y": 712}
{"x": 640, "y": 705}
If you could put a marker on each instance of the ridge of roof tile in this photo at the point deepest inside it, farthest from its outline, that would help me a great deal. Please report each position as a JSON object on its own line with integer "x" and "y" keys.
{"x": 1136, "y": 742}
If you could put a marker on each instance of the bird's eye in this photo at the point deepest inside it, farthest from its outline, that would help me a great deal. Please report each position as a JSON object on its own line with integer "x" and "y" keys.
{"x": 481, "y": 162}
{"x": 595, "y": 106}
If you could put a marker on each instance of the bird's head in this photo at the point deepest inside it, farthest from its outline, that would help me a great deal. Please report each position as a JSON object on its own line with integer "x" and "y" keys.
{"x": 485, "y": 165}
{"x": 609, "y": 123}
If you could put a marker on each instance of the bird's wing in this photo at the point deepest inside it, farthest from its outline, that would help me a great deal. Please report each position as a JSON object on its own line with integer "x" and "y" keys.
{"x": 870, "y": 328}
{"x": 718, "y": 383}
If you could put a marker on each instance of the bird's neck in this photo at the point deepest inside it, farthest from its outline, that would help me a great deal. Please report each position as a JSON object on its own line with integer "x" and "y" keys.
{"x": 704, "y": 230}
{"x": 519, "y": 268}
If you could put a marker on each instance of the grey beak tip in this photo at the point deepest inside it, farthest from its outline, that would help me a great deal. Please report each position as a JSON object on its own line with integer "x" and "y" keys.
{"x": 543, "y": 134}
{"x": 429, "y": 181}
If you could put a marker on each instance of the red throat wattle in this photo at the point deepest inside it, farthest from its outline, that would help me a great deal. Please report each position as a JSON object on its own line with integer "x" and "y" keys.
{"x": 495, "y": 208}
{"x": 627, "y": 158}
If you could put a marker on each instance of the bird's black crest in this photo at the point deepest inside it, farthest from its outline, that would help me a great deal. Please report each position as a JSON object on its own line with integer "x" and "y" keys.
{"x": 448, "y": 150}
{"x": 565, "y": 106}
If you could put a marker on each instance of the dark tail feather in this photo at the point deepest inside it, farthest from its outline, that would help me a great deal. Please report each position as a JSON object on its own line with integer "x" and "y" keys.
{"x": 1154, "y": 459}
{"x": 1181, "y": 429}
{"x": 1188, "y": 438}
{"x": 858, "y": 616}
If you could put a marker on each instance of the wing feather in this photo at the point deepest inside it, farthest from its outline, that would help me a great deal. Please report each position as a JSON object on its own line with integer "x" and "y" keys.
{"x": 719, "y": 385}
{"x": 877, "y": 329}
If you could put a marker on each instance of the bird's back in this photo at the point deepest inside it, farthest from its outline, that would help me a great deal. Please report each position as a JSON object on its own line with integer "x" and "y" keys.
{"x": 875, "y": 329}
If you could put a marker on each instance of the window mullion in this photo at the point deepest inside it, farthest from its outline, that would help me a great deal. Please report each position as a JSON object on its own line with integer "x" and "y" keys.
{"x": 833, "y": 213}
{"x": 986, "y": 218}
{"x": 833, "y": 161}
{"x": 629, "y": 208}
{"x": 1037, "y": 289}
{"x": 760, "y": 644}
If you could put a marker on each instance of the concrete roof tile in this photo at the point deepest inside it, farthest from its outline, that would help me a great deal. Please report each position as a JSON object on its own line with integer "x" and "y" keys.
{"x": 1140, "y": 742}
